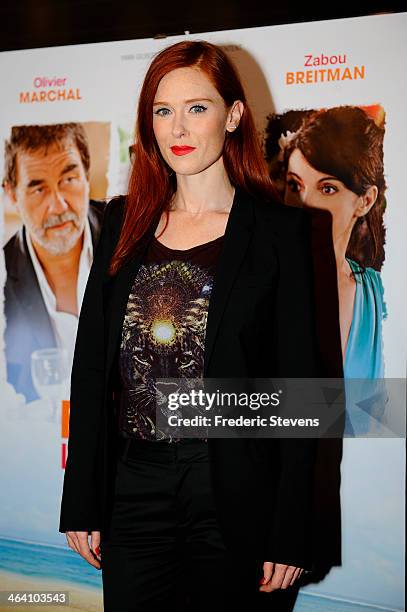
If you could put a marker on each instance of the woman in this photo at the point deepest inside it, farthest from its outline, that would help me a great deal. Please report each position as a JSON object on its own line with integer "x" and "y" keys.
{"x": 197, "y": 274}
{"x": 334, "y": 162}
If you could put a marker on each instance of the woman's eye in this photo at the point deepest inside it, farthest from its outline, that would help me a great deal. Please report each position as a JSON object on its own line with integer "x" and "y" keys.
{"x": 198, "y": 108}
{"x": 328, "y": 189}
{"x": 162, "y": 112}
{"x": 293, "y": 186}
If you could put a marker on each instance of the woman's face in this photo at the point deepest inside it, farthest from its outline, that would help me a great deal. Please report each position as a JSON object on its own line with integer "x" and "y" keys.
{"x": 306, "y": 186}
{"x": 190, "y": 120}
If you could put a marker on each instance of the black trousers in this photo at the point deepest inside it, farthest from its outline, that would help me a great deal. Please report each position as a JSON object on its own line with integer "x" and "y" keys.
{"x": 165, "y": 550}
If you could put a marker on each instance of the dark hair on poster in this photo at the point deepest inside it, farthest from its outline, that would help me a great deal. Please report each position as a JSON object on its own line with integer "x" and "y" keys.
{"x": 344, "y": 142}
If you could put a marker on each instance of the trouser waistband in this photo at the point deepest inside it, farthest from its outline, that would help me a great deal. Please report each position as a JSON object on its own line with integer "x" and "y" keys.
{"x": 163, "y": 450}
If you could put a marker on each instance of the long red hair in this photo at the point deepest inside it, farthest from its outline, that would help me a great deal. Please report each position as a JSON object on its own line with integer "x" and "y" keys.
{"x": 152, "y": 184}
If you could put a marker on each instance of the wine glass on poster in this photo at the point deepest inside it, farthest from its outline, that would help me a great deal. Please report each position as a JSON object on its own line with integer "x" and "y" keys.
{"x": 50, "y": 375}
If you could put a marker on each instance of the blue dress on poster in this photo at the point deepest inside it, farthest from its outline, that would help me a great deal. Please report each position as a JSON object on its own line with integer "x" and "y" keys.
{"x": 364, "y": 353}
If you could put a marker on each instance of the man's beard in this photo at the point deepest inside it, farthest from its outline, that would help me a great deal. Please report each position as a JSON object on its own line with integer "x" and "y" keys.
{"x": 58, "y": 241}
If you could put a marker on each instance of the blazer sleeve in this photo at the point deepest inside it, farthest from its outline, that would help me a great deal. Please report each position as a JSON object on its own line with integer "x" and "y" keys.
{"x": 80, "y": 505}
{"x": 297, "y": 357}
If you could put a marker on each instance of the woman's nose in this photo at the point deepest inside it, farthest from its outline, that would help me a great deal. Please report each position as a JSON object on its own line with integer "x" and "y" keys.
{"x": 178, "y": 127}
{"x": 303, "y": 196}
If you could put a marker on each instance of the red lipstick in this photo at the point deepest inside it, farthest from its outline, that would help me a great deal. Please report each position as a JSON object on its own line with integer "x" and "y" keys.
{"x": 184, "y": 150}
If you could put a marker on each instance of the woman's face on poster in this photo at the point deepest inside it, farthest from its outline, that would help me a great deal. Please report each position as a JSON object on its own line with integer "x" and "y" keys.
{"x": 306, "y": 186}
{"x": 190, "y": 120}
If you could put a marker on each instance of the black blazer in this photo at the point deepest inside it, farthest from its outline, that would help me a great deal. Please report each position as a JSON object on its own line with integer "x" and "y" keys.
{"x": 260, "y": 323}
{"x": 28, "y": 324}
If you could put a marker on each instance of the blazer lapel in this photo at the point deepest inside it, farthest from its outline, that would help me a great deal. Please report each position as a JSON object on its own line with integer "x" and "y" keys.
{"x": 235, "y": 243}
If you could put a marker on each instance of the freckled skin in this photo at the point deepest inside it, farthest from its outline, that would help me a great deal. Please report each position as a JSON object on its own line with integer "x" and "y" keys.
{"x": 200, "y": 123}
{"x": 189, "y": 111}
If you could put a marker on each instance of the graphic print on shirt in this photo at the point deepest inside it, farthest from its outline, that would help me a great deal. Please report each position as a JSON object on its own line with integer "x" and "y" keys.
{"x": 163, "y": 336}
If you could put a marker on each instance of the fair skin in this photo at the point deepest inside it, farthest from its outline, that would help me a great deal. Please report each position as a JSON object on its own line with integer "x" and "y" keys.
{"x": 52, "y": 198}
{"x": 306, "y": 186}
{"x": 188, "y": 111}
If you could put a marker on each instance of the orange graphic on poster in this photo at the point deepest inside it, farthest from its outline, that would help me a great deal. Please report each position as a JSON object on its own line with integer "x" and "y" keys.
{"x": 65, "y": 419}
{"x": 64, "y": 430}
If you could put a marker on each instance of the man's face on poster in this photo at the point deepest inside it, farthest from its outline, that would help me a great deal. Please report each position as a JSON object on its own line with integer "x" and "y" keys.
{"x": 52, "y": 195}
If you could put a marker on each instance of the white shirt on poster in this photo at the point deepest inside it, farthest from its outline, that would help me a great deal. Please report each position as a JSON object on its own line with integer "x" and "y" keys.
{"x": 65, "y": 324}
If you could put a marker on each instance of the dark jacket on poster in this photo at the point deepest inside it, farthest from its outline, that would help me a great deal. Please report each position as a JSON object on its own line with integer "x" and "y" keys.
{"x": 261, "y": 323}
{"x": 28, "y": 325}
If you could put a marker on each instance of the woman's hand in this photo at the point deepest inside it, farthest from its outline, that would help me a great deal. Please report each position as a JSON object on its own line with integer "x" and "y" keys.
{"x": 278, "y": 576}
{"x": 78, "y": 541}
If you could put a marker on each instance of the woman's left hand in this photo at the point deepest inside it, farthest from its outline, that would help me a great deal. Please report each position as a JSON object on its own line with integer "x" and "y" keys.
{"x": 278, "y": 576}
